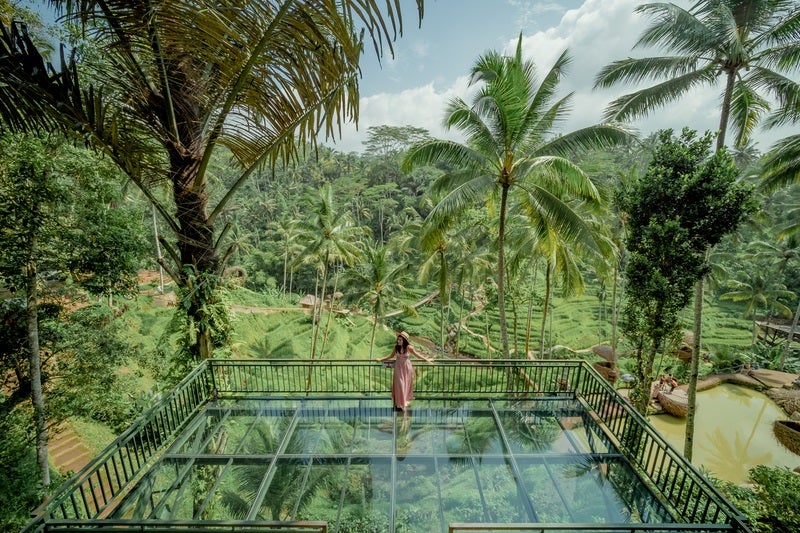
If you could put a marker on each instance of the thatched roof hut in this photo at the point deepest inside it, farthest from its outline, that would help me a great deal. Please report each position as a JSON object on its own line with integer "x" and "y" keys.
{"x": 308, "y": 301}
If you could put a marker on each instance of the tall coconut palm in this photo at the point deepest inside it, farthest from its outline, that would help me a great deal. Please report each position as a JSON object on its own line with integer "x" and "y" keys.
{"x": 177, "y": 81}
{"x": 379, "y": 281}
{"x": 330, "y": 238}
{"x": 750, "y": 45}
{"x": 509, "y": 147}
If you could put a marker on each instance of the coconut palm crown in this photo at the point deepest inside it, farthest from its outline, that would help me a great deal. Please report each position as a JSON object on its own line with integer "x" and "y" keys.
{"x": 751, "y": 44}
{"x": 510, "y": 146}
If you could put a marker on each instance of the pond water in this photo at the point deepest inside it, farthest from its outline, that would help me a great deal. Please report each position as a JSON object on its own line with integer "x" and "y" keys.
{"x": 733, "y": 432}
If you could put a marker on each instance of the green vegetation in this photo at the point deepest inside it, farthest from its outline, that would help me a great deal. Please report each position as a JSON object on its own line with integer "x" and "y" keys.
{"x": 508, "y": 245}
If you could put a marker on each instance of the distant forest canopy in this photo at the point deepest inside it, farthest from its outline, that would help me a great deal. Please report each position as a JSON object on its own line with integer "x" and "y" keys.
{"x": 371, "y": 191}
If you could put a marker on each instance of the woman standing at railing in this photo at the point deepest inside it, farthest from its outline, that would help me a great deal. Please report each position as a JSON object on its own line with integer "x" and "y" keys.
{"x": 403, "y": 379}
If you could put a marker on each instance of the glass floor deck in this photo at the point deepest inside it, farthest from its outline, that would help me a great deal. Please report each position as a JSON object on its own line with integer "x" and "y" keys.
{"x": 361, "y": 466}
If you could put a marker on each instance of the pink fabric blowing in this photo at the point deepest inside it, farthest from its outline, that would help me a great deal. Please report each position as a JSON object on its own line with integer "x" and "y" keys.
{"x": 403, "y": 381}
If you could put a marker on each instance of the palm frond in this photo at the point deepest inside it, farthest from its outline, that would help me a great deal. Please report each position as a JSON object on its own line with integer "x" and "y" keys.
{"x": 674, "y": 28}
{"x": 477, "y": 121}
{"x": 597, "y": 137}
{"x": 747, "y": 108}
{"x": 561, "y": 177}
{"x": 542, "y": 97}
{"x": 639, "y": 103}
{"x": 465, "y": 194}
{"x": 550, "y": 214}
{"x": 637, "y": 70}
{"x": 783, "y": 88}
{"x": 449, "y": 153}
{"x": 781, "y": 166}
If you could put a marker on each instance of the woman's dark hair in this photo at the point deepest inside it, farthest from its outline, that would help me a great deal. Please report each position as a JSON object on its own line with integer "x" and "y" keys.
{"x": 405, "y": 342}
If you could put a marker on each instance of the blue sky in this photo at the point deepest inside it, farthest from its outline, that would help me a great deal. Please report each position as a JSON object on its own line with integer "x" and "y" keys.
{"x": 431, "y": 63}
{"x": 453, "y": 34}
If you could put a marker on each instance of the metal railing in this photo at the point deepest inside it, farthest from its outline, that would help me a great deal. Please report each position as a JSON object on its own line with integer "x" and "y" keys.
{"x": 87, "y": 497}
{"x": 183, "y": 526}
{"x": 597, "y": 528}
{"x": 89, "y": 492}
{"x": 687, "y": 492}
{"x": 453, "y": 378}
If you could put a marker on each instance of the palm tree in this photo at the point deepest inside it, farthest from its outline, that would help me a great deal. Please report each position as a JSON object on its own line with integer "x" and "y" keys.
{"x": 433, "y": 242}
{"x": 178, "y": 82}
{"x": 330, "y": 238}
{"x": 757, "y": 289}
{"x": 509, "y": 146}
{"x": 285, "y": 228}
{"x": 750, "y": 44}
{"x": 380, "y": 282}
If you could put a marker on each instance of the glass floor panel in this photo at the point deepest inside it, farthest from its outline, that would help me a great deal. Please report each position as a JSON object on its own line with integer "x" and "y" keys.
{"x": 356, "y": 464}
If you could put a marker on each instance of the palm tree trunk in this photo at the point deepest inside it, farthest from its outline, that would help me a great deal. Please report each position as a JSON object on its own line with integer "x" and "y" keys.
{"x": 197, "y": 251}
{"x": 443, "y": 295}
{"x": 158, "y": 251}
{"x": 285, "y": 266}
{"x": 37, "y": 395}
{"x": 693, "y": 374}
{"x": 529, "y": 321}
{"x": 725, "y": 108}
{"x": 330, "y": 314}
{"x": 314, "y": 312}
{"x": 614, "y": 317}
{"x": 374, "y": 331}
{"x": 501, "y": 299}
{"x": 544, "y": 309}
{"x": 321, "y": 305}
{"x": 790, "y": 337}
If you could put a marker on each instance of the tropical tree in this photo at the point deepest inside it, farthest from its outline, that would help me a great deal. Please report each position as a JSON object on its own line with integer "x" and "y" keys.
{"x": 675, "y": 213}
{"x": 751, "y": 45}
{"x": 56, "y": 220}
{"x": 380, "y": 282}
{"x": 261, "y": 78}
{"x": 330, "y": 238}
{"x": 510, "y": 147}
{"x": 285, "y": 228}
{"x": 758, "y": 289}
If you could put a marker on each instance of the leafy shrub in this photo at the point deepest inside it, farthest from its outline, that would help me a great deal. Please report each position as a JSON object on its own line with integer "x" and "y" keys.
{"x": 771, "y": 505}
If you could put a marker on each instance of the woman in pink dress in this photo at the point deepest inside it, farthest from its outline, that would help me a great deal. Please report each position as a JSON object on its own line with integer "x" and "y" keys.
{"x": 403, "y": 380}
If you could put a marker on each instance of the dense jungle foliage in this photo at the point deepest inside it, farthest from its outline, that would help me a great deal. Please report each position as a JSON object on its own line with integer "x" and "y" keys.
{"x": 108, "y": 358}
{"x": 121, "y": 264}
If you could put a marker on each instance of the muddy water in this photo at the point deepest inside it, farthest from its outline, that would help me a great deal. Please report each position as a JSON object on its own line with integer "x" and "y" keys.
{"x": 733, "y": 432}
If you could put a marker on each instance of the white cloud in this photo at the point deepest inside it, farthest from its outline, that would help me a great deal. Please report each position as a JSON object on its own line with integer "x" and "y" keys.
{"x": 422, "y": 107}
{"x": 596, "y": 33}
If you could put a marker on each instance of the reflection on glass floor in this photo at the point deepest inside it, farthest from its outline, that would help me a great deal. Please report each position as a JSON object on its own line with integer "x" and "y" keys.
{"x": 355, "y": 463}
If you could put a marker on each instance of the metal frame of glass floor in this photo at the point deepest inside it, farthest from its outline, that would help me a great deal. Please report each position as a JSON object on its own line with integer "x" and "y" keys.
{"x": 287, "y": 446}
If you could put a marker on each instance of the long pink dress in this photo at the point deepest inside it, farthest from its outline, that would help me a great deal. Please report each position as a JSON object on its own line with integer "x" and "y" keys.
{"x": 403, "y": 381}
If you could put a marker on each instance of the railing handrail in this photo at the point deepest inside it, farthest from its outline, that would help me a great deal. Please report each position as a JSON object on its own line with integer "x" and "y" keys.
{"x": 661, "y": 442}
{"x": 179, "y": 526}
{"x": 198, "y": 374}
